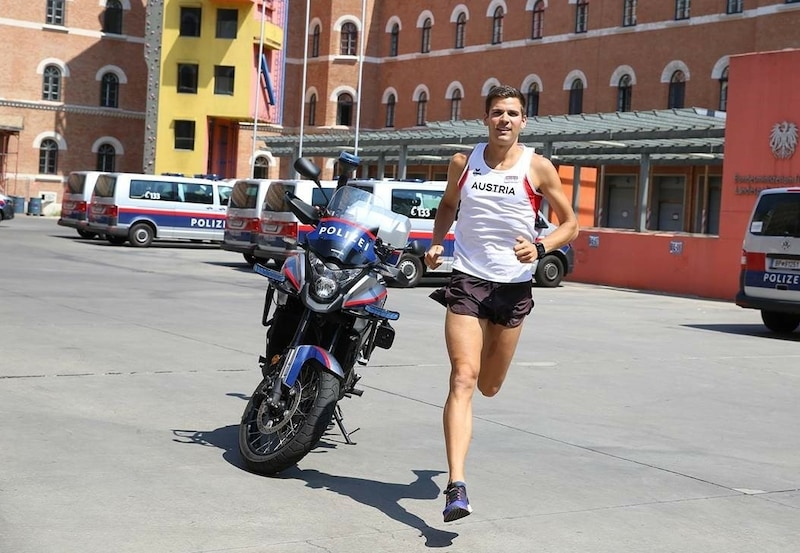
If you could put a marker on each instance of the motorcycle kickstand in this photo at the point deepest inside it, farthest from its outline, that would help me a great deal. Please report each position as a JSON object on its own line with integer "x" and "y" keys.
{"x": 337, "y": 414}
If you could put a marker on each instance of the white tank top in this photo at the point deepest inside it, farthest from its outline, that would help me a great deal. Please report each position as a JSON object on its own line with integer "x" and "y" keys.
{"x": 496, "y": 207}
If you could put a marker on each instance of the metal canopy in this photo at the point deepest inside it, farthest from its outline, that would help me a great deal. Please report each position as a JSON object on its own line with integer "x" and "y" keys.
{"x": 692, "y": 136}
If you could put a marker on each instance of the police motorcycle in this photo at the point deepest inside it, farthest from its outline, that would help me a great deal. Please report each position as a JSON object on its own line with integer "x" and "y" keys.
{"x": 324, "y": 313}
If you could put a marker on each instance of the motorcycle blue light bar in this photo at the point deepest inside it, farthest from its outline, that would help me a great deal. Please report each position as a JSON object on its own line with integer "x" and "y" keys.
{"x": 350, "y": 159}
{"x": 269, "y": 273}
{"x": 382, "y": 313}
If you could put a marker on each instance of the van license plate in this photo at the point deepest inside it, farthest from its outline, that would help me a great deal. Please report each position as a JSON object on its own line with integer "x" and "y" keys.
{"x": 786, "y": 263}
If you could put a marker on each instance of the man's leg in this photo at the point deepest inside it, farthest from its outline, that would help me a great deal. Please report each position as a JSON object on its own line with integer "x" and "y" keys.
{"x": 464, "y": 338}
{"x": 499, "y": 344}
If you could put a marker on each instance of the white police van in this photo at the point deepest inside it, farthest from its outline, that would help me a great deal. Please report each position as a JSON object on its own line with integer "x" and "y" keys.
{"x": 770, "y": 275}
{"x": 243, "y": 217}
{"x": 141, "y": 208}
{"x": 75, "y": 201}
{"x": 419, "y": 201}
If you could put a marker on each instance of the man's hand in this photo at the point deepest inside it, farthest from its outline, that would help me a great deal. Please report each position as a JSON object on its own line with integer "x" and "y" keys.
{"x": 432, "y": 256}
{"x": 525, "y": 250}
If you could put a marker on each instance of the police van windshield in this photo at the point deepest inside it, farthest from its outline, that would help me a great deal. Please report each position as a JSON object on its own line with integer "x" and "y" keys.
{"x": 777, "y": 215}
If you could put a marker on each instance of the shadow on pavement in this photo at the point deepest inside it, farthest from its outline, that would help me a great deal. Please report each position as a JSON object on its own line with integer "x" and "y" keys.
{"x": 755, "y": 330}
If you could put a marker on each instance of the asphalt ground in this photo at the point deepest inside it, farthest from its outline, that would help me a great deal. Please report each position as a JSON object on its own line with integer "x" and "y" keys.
{"x": 630, "y": 421}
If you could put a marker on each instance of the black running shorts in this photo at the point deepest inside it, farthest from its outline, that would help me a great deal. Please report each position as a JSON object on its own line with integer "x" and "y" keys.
{"x": 499, "y": 303}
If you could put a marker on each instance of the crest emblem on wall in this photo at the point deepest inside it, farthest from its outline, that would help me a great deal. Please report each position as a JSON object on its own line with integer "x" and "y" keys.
{"x": 783, "y": 139}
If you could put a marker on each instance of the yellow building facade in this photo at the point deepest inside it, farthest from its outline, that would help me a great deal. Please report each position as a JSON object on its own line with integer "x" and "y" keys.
{"x": 211, "y": 80}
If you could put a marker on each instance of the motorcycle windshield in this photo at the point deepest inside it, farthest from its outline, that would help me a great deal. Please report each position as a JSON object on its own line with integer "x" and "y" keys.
{"x": 354, "y": 221}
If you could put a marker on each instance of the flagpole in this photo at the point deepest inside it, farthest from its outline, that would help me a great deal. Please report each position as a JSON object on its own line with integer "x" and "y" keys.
{"x": 258, "y": 89}
{"x": 360, "y": 70}
{"x": 305, "y": 74}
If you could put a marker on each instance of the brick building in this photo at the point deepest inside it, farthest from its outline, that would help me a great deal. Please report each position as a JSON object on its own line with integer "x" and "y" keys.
{"x": 72, "y": 91}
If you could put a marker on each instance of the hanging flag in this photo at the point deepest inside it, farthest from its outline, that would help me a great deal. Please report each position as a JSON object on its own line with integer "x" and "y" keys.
{"x": 267, "y": 80}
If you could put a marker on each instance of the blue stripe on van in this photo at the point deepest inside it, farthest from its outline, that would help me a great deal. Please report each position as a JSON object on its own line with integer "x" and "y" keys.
{"x": 764, "y": 279}
{"x": 172, "y": 219}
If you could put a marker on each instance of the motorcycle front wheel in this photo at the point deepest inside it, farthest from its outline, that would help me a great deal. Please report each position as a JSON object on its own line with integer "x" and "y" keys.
{"x": 274, "y": 439}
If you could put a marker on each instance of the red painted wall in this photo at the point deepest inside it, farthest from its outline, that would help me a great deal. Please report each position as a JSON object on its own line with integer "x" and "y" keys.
{"x": 764, "y": 89}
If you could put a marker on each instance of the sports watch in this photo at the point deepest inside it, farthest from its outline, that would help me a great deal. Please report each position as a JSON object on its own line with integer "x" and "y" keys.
{"x": 540, "y": 251}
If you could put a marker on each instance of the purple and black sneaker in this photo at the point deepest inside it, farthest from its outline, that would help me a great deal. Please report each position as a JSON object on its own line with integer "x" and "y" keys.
{"x": 456, "y": 505}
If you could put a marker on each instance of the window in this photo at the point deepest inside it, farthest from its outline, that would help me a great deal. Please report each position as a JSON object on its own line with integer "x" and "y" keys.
{"x": 425, "y": 46}
{"x": 734, "y": 6}
{"x": 624, "y": 93}
{"x": 198, "y": 193}
{"x": 666, "y": 202}
{"x": 723, "y": 90}
{"x": 538, "y": 20}
{"x": 227, "y": 23}
{"x": 106, "y": 158}
{"x": 184, "y": 135}
{"x": 461, "y": 29}
{"x": 260, "y": 171}
{"x": 422, "y": 108}
{"x": 190, "y": 21}
{"x": 394, "y": 40}
{"x": 344, "y": 109}
{"x": 187, "y": 77}
{"x": 109, "y": 91}
{"x": 315, "y": 42}
{"x": 629, "y": 13}
{"x": 497, "y": 26}
{"x": 682, "y": 8}
{"x": 619, "y": 202}
{"x": 112, "y": 17}
{"x": 51, "y": 83}
{"x": 312, "y": 110}
{"x": 708, "y": 197}
{"x": 165, "y": 191}
{"x": 349, "y": 40}
{"x": 48, "y": 157}
{"x": 223, "y": 79}
{"x": 576, "y": 97}
{"x": 677, "y": 90}
{"x": 391, "y": 104}
{"x": 55, "y": 12}
{"x": 455, "y": 105}
{"x": 532, "y": 101}
{"x": 582, "y": 16}
{"x": 417, "y": 204}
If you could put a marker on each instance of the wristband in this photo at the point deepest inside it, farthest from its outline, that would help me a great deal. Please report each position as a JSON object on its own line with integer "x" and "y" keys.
{"x": 540, "y": 251}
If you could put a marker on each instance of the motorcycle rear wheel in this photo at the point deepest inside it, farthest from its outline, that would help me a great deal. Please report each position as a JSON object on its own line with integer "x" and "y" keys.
{"x": 269, "y": 448}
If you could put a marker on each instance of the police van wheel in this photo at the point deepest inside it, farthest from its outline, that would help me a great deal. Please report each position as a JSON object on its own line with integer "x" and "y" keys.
{"x": 86, "y": 234}
{"x": 411, "y": 267}
{"x": 141, "y": 235}
{"x": 116, "y": 240}
{"x": 783, "y": 323}
{"x": 249, "y": 258}
{"x": 549, "y": 272}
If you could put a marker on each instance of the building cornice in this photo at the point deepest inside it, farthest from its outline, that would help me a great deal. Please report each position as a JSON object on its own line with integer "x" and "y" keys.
{"x": 72, "y": 108}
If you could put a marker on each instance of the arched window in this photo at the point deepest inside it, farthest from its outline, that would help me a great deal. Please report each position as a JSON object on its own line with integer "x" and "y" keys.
{"x": 677, "y": 90}
{"x": 624, "y": 93}
{"x": 349, "y": 39}
{"x": 51, "y": 83}
{"x": 109, "y": 91}
{"x": 106, "y": 158}
{"x": 629, "y": 13}
{"x": 315, "y": 42}
{"x": 112, "y": 17}
{"x": 582, "y": 16}
{"x": 455, "y": 105}
{"x": 425, "y": 46}
{"x": 48, "y": 157}
{"x": 422, "y": 108}
{"x": 261, "y": 168}
{"x": 532, "y": 100}
{"x": 391, "y": 104}
{"x": 461, "y": 29}
{"x": 723, "y": 90}
{"x": 538, "y": 20}
{"x": 576, "y": 97}
{"x": 312, "y": 110}
{"x": 394, "y": 40}
{"x": 344, "y": 109}
{"x": 497, "y": 26}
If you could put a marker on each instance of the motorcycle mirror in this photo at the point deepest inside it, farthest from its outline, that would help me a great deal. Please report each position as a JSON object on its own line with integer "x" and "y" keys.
{"x": 306, "y": 167}
{"x": 415, "y": 248}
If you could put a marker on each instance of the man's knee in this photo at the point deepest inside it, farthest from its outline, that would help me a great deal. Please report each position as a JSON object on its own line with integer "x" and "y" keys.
{"x": 463, "y": 381}
{"x": 489, "y": 389}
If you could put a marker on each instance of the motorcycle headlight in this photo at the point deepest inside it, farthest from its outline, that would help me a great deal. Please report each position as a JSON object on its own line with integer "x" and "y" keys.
{"x": 328, "y": 278}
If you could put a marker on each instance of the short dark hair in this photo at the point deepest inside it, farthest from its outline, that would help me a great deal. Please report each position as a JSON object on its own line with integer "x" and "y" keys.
{"x": 504, "y": 91}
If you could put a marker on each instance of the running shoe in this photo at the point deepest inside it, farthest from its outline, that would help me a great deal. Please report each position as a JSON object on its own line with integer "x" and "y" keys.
{"x": 456, "y": 505}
